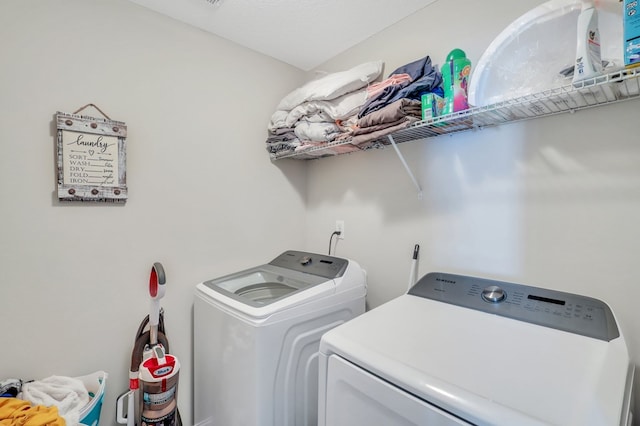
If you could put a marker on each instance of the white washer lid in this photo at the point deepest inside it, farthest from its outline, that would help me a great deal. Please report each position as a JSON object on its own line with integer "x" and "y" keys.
{"x": 292, "y": 279}
{"x": 220, "y": 291}
{"x": 486, "y": 368}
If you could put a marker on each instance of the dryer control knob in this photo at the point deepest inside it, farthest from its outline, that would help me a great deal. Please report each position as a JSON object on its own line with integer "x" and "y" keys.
{"x": 305, "y": 260}
{"x": 493, "y": 294}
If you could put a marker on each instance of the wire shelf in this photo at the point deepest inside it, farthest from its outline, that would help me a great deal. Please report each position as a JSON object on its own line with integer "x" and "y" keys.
{"x": 606, "y": 89}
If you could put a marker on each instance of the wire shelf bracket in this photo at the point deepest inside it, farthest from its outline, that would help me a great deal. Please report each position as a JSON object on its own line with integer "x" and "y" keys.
{"x": 406, "y": 166}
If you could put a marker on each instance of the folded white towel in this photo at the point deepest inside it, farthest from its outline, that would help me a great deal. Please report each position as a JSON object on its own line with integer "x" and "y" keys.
{"x": 66, "y": 393}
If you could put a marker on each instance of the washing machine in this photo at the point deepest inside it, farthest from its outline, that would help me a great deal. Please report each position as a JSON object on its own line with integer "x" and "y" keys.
{"x": 257, "y": 333}
{"x": 460, "y": 350}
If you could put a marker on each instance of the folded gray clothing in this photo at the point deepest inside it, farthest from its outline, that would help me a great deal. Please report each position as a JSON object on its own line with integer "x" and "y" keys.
{"x": 393, "y": 112}
{"x": 320, "y": 132}
{"x": 370, "y": 129}
{"x": 281, "y": 130}
{"x": 371, "y": 136}
{"x": 279, "y": 147}
{"x": 285, "y": 137}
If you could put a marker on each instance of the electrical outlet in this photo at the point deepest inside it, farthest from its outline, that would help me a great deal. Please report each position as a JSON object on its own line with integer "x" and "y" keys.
{"x": 340, "y": 228}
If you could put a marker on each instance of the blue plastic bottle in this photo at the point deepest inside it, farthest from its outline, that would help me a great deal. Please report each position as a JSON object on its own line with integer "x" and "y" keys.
{"x": 456, "y": 73}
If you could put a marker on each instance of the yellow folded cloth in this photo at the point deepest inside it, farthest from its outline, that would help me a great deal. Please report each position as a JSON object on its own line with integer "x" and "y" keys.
{"x": 17, "y": 412}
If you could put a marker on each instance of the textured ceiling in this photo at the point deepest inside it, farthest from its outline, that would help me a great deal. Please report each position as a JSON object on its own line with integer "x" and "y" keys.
{"x": 302, "y": 33}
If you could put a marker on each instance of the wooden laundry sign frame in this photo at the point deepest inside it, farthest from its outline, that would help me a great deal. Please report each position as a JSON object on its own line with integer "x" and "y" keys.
{"x": 91, "y": 158}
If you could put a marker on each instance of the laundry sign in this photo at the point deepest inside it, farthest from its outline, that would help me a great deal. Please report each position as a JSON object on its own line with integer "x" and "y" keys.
{"x": 91, "y": 158}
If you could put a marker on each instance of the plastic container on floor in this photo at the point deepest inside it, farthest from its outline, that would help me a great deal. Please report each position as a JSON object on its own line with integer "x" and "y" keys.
{"x": 95, "y": 384}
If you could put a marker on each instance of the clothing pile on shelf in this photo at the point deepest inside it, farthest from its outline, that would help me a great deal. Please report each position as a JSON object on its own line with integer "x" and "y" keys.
{"x": 346, "y": 111}
{"x": 317, "y": 112}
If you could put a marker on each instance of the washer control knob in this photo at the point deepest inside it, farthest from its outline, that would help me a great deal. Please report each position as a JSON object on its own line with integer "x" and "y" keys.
{"x": 305, "y": 260}
{"x": 493, "y": 294}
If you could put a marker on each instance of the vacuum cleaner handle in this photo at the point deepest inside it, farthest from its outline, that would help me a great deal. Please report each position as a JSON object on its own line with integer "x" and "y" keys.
{"x": 157, "y": 281}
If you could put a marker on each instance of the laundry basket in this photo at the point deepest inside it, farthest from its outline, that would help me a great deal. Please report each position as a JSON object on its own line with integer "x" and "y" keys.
{"x": 95, "y": 384}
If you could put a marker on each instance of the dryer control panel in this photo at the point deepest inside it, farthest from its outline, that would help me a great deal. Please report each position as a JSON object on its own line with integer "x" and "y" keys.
{"x": 549, "y": 308}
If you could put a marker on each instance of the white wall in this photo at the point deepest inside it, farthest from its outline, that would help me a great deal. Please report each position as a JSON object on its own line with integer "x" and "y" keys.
{"x": 552, "y": 202}
{"x": 204, "y": 199}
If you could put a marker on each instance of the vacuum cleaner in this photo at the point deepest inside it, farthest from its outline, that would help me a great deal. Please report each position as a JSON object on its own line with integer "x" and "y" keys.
{"x": 154, "y": 373}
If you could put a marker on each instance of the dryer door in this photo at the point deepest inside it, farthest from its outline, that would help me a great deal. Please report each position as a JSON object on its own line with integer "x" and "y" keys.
{"x": 355, "y": 397}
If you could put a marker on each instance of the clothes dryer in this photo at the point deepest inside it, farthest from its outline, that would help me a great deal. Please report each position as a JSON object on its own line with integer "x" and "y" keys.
{"x": 462, "y": 350}
{"x": 256, "y": 338}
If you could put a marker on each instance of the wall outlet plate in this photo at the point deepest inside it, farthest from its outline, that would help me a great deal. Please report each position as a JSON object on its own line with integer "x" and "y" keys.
{"x": 340, "y": 228}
